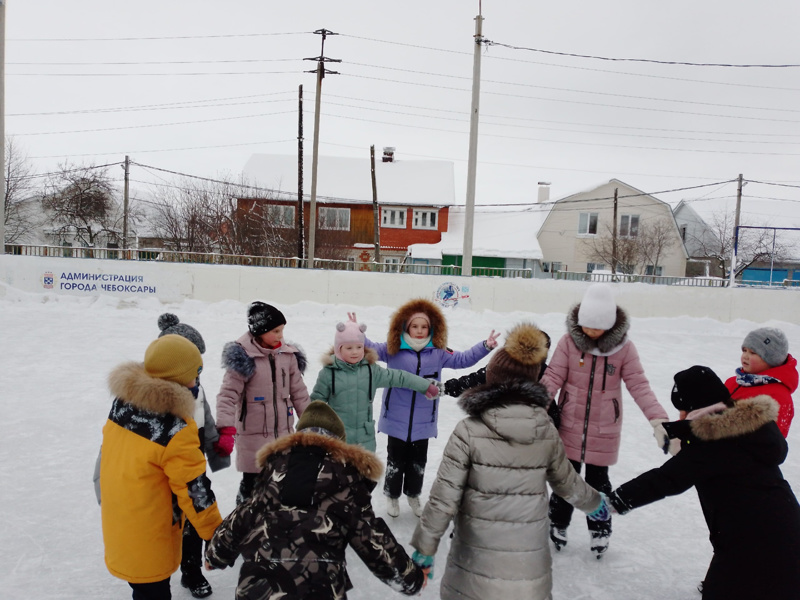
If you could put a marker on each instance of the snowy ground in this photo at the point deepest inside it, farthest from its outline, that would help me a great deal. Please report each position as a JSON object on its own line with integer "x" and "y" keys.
{"x": 55, "y": 354}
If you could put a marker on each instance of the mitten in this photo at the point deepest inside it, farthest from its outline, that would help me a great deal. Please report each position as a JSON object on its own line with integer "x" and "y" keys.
{"x": 433, "y": 391}
{"x": 452, "y": 388}
{"x": 602, "y": 512}
{"x": 224, "y": 445}
{"x": 423, "y": 561}
{"x": 662, "y": 439}
{"x": 674, "y": 446}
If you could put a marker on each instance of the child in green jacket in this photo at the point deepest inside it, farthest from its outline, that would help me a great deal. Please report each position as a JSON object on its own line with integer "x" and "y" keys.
{"x": 349, "y": 378}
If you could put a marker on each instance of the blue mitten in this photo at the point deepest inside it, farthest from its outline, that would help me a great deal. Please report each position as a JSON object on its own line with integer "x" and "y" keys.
{"x": 602, "y": 512}
{"x": 423, "y": 561}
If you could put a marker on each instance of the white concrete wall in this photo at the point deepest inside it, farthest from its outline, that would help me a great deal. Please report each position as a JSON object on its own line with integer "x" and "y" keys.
{"x": 171, "y": 282}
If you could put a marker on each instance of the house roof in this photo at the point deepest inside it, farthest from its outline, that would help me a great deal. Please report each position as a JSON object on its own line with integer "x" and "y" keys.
{"x": 349, "y": 180}
{"x": 502, "y": 233}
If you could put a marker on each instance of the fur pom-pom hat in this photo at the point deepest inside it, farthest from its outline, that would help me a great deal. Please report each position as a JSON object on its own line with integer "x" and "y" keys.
{"x": 698, "y": 387}
{"x": 174, "y": 358}
{"x": 769, "y": 343}
{"x": 521, "y": 356}
{"x": 348, "y": 333}
{"x": 319, "y": 417}
{"x": 171, "y": 324}
{"x": 263, "y": 317}
{"x": 598, "y": 309}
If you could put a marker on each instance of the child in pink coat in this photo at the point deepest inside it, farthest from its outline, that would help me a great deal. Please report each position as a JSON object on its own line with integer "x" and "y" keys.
{"x": 589, "y": 365}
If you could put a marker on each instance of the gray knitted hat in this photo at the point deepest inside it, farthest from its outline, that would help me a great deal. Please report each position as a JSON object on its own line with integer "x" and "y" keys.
{"x": 769, "y": 343}
{"x": 170, "y": 324}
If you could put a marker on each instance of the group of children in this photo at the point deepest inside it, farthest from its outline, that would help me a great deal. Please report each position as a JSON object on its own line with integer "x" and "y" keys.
{"x": 306, "y": 489}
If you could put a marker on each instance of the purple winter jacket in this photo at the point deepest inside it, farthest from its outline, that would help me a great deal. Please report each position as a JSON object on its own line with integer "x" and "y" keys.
{"x": 406, "y": 414}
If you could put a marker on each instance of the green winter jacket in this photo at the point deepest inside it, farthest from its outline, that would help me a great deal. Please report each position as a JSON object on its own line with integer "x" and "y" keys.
{"x": 350, "y": 389}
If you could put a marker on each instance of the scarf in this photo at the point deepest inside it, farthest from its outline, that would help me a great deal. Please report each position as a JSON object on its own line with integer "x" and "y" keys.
{"x": 407, "y": 342}
{"x": 753, "y": 379}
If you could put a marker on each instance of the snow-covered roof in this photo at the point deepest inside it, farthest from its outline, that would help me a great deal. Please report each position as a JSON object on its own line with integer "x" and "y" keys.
{"x": 499, "y": 232}
{"x": 348, "y": 179}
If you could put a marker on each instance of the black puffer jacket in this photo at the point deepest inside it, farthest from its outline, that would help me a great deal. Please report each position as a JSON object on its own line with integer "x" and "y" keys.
{"x": 312, "y": 499}
{"x": 732, "y": 457}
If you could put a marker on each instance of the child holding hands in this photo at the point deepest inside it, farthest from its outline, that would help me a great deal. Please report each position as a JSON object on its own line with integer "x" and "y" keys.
{"x": 589, "y": 365}
{"x": 417, "y": 343}
{"x": 349, "y": 378}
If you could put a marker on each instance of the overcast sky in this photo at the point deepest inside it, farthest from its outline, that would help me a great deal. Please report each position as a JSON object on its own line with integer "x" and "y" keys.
{"x": 198, "y": 86}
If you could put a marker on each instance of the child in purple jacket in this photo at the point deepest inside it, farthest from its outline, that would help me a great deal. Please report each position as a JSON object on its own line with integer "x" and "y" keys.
{"x": 417, "y": 343}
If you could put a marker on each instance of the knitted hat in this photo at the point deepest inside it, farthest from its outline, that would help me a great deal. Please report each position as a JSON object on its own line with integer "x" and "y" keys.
{"x": 261, "y": 318}
{"x": 174, "y": 358}
{"x": 418, "y": 315}
{"x": 521, "y": 356}
{"x": 598, "y": 309}
{"x": 169, "y": 323}
{"x": 348, "y": 333}
{"x": 698, "y": 387}
{"x": 769, "y": 343}
{"x": 318, "y": 417}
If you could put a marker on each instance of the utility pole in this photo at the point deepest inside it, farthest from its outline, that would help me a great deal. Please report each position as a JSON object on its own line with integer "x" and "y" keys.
{"x": 469, "y": 214}
{"x": 301, "y": 230}
{"x": 375, "y": 215}
{"x": 127, "y": 167}
{"x": 321, "y": 71}
{"x": 614, "y": 237}
{"x": 3, "y": 181}
{"x": 735, "y": 248}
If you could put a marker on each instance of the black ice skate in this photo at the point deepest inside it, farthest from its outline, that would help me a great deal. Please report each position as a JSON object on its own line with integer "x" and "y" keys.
{"x": 559, "y": 536}
{"x": 196, "y": 584}
{"x": 599, "y": 543}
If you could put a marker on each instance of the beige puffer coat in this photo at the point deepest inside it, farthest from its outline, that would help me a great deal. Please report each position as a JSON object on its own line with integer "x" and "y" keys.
{"x": 493, "y": 483}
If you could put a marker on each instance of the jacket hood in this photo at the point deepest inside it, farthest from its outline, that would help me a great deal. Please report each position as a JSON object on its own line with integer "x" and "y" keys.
{"x": 786, "y": 373}
{"x": 366, "y": 462}
{"x": 606, "y": 343}
{"x": 508, "y": 408}
{"x": 397, "y": 325}
{"x": 746, "y": 416}
{"x": 329, "y": 358}
{"x": 131, "y": 383}
{"x": 239, "y": 356}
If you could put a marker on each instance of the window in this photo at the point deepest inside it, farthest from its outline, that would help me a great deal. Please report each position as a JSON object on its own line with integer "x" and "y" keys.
{"x": 587, "y": 224}
{"x": 649, "y": 270}
{"x": 393, "y": 217}
{"x": 683, "y": 232}
{"x": 334, "y": 218}
{"x": 591, "y": 267}
{"x": 555, "y": 266}
{"x": 629, "y": 226}
{"x": 282, "y": 216}
{"x": 392, "y": 264}
{"x": 425, "y": 219}
{"x": 627, "y": 269}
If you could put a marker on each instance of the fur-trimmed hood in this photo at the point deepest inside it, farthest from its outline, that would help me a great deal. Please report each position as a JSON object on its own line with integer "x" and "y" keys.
{"x": 746, "y": 416}
{"x": 329, "y": 358}
{"x": 239, "y": 356}
{"x": 132, "y": 384}
{"x": 606, "y": 343}
{"x": 401, "y": 316}
{"x": 366, "y": 462}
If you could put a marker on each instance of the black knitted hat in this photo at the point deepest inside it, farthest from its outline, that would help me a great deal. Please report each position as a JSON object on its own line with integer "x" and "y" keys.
{"x": 262, "y": 317}
{"x": 698, "y": 387}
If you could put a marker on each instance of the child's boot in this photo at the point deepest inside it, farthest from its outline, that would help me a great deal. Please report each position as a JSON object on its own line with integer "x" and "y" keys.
{"x": 559, "y": 536}
{"x": 196, "y": 584}
{"x": 416, "y": 508}
{"x": 599, "y": 543}
{"x": 393, "y": 506}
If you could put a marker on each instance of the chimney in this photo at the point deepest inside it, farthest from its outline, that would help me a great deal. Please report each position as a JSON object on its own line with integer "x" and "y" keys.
{"x": 388, "y": 154}
{"x": 544, "y": 192}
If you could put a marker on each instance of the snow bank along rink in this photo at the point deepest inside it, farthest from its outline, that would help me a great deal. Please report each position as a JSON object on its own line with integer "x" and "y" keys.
{"x": 57, "y": 350}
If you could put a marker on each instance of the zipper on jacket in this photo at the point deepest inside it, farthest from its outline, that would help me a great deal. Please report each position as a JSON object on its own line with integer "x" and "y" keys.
{"x": 435, "y": 402}
{"x": 588, "y": 407}
{"x": 274, "y": 392}
{"x": 616, "y": 409}
{"x": 413, "y": 399}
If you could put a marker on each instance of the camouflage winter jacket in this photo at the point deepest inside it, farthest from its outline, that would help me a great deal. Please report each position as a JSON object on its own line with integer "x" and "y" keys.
{"x": 312, "y": 499}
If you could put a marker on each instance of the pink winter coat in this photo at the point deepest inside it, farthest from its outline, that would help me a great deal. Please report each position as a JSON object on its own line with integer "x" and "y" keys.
{"x": 589, "y": 374}
{"x": 267, "y": 384}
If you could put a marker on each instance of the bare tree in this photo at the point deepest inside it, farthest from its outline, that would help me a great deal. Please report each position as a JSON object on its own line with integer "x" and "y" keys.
{"x": 21, "y": 217}
{"x": 754, "y": 245}
{"x": 80, "y": 204}
{"x": 655, "y": 238}
{"x": 625, "y": 254}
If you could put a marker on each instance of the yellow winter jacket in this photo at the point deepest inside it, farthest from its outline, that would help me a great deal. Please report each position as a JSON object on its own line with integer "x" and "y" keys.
{"x": 152, "y": 472}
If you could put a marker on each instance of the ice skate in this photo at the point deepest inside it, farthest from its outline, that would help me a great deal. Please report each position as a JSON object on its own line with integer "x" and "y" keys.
{"x": 559, "y": 536}
{"x": 599, "y": 543}
{"x": 393, "y": 507}
{"x": 416, "y": 507}
{"x": 196, "y": 584}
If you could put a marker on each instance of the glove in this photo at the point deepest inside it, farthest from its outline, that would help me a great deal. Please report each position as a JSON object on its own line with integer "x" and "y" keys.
{"x": 433, "y": 390}
{"x": 662, "y": 439}
{"x": 602, "y": 512}
{"x": 423, "y": 561}
{"x": 224, "y": 445}
{"x": 674, "y": 446}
